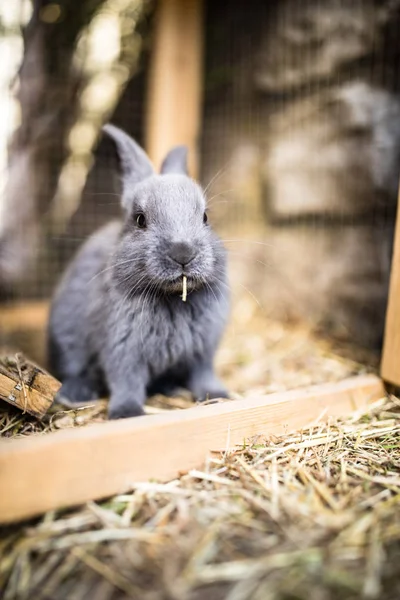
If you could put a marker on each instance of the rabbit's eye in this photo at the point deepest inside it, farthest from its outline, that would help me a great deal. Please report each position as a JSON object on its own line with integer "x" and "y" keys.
{"x": 140, "y": 220}
{"x": 205, "y": 218}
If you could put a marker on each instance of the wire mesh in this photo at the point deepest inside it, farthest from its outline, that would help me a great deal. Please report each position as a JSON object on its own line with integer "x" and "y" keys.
{"x": 300, "y": 146}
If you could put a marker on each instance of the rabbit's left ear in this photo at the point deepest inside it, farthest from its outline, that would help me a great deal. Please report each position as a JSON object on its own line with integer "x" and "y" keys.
{"x": 175, "y": 161}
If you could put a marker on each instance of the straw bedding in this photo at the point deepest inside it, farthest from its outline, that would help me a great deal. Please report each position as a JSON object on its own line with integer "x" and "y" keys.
{"x": 312, "y": 515}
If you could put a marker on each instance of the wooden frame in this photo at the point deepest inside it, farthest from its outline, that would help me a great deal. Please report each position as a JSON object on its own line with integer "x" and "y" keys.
{"x": 69, "y": 467}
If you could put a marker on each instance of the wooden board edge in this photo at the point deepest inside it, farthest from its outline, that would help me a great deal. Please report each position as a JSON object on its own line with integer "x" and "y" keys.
{"x": 22, "y": 316}
{"x": 67, "y": 468}
{"x": 390, "y": 364}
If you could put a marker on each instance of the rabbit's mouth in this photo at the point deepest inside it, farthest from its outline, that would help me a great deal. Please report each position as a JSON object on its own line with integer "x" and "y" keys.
{"x": 175, "y": 286}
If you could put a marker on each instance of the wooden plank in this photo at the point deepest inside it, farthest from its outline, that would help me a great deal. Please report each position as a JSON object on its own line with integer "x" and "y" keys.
{"x": 390, "y": 367}
{"x": 73, "y": 466}
{"x": 22, "y": 316}
{"x": 175, "y": 80}
{"x": 26, "y": 386}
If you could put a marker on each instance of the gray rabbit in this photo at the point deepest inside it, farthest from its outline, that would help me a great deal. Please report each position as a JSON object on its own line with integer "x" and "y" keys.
{"x": 118, "y": 322}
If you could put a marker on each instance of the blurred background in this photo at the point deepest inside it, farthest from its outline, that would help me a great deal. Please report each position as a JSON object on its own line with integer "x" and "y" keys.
{"x": 291, "y": 111}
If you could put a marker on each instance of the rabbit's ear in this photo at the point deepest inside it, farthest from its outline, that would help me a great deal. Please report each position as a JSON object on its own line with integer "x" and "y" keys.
{"x": 175, "y": 161}
{"x": 135, "y": 165}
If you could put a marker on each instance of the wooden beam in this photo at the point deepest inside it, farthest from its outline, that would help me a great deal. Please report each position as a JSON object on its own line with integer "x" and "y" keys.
{"x": 390, "y": 368}
{"x": 175, "y": 80}
{"x": 69, "y": 467}
{"x": 22, "y": 316}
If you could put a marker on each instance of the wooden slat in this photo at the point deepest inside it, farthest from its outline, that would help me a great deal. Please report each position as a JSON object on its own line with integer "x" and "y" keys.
{"x": 390, "y": 368}
{"x": 175, "y": 80}
{"x": 70, "y": 467}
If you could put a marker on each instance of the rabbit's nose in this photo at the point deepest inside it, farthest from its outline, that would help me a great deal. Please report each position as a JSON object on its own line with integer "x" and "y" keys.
{"x": 181, "y": 253}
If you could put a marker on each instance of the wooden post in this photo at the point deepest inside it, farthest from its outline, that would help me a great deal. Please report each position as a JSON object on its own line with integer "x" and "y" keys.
{"x": 175, "y": 80}
{"x": 390, "y": 368}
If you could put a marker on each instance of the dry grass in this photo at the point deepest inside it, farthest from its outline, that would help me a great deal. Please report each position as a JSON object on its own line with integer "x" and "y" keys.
{"x": 314, "y": 515}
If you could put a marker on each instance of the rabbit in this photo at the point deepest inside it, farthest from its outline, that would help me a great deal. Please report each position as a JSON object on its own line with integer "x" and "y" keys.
{"x": 118, "y": 323}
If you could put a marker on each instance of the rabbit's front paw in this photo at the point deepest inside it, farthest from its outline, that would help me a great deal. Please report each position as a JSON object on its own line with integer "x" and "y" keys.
{"x": 123, "y": 409}
{"x": 77, "y": 389}
{"x": 205, "y": 386}
{"x": 209, "y": 394}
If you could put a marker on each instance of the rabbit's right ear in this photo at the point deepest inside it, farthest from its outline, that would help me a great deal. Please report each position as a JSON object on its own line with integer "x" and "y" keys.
{"x": 135, "y": 164}
{"x": 175, "y": 161}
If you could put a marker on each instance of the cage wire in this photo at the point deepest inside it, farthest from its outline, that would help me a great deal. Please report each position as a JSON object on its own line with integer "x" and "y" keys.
{"x": 299, "y": 145}
{"x": 302, "y": 117}
{"x": 74, "y": 67}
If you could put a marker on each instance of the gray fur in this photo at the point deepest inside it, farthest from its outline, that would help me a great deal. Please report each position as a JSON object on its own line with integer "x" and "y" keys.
{"x": 118, "y": 323}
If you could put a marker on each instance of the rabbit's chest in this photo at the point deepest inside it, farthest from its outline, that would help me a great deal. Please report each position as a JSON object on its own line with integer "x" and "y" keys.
{"x": 179, "y": 336}
{"x": 184, "y": 332}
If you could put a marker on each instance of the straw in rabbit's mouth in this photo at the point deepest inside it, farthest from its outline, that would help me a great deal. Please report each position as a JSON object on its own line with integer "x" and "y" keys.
{"x": 184, "y": 288}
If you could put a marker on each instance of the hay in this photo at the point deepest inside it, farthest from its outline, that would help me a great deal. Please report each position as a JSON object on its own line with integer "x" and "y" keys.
{"x": 313, "y": 515}
{"x": 184, "y": 288}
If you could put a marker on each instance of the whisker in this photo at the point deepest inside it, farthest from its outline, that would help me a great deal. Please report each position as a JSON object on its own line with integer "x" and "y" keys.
{"x": 218, "y": 281}
{"x": 216, "y": 176}
{"x": 210, "y": 288}
{"x": 131, "y": 260}
{"x": 251, "y": 259}
{"x": 135, "y": 287}
{"x": 251, "y": 294}
{"x": 249, "y": 242}
{"x": 209, "y": 200}
{"x": 102, "y": 194}
{"x": 67, "y": 238}
{"x": 244, "y": 287}
{"x": 226, "y": 201}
